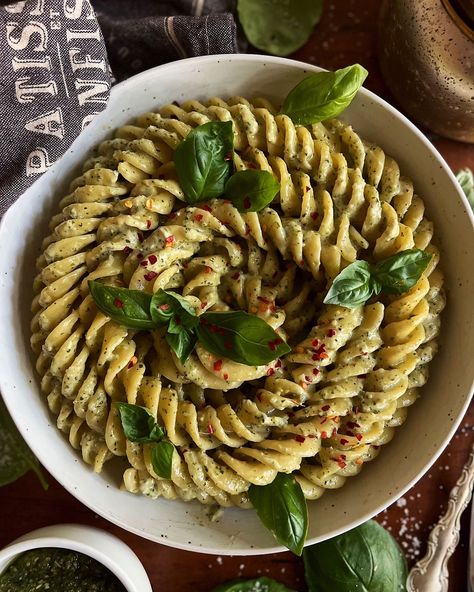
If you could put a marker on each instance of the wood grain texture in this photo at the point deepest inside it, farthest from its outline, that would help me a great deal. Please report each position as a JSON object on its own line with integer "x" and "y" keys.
{"x": 346, "y": 34}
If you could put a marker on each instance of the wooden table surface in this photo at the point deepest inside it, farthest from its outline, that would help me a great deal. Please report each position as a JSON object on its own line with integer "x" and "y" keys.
{"x": 345, "y": 35}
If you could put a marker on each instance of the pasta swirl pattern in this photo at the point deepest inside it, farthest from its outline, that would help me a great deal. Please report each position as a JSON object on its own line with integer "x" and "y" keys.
{"x": 322, "y": 411}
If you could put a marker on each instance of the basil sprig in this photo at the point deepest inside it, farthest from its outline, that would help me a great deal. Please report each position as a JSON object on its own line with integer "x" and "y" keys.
{"x": 162, "y": 458}
{"x": 236, "y": 335}
{"x": 276, "y": 26}
{"x": 251, "y": 190}
{"x": 281, "y": 506}
{"x": 366, "y": 558}
{"x": 130, "y": 308}
{"x": 203, "y": 160}
{"x": 16, "y": 458}
{"x": 139, "y": 425}
{"x": 241, "y": 337}
{"x": 359, "y": 281}
{"x": 323, "y": 95}
{"x": 262, "y": 584}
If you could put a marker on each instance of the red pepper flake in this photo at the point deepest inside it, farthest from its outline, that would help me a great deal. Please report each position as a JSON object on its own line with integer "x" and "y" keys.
{"x": 324, "y": 421}
{"x": 262, "y": 299}
{"x": 118, "y": 303}
{"x": 343, "y": 441}
{"x": 198, "y": 217}
{"x": 278, "y": 341}
{"x": 331, "y": 332}
{"x": 141, "y": 236}
{"x": 349, "y": 433}
{"x": 334, "y": 432}
{"x": 236, "y": 275}
{"x": 144, "y": 263}
{"x": 291, "y": 414}
{"x": 164, "y": 307}
{"x": 363, "y": 353}
{"x": 314, "y": 215}
{"x": 148, "y": 224}
{"x": 352, "y": 425}
{"x": 343, "y": 456}
{"x": 127, "y": 250}
{"x": 271, "y": 345}
{"x": 311, "y": 435}
{"x": 247, "y": 203}
{"x": 151, "y": 275}
{"x": 247, "y": 229}
{"x": 308, "y": 378}
{"x": 206, "y": 208}
{"x": 210, "y": 429}
{"x": 185, "y": 265}
{"x": 203, "y": 304}
{"x": 315, "y": 371}
{"x": 359, "y": 437}
{"x": 324, "y": 435}
{"x": 140, "y": 256}
{"x": 278, "y": 364}
{"x": 362, "y": 376}
{"x": 208, "y": 269}
{"x": 307, "y": 189}
{"x": 218, "y": 365}
{"x": 375, "y": 447}
{"x": 300, "y": 439}
{"x": 133, "y": 361}
{"x": 274, "y": 274}
{"x": 227, "y": 202}
{"x": 226, "y": 376}
{"x": 152, "y": 258}
{"x": 315, "y": 343}
{"x": 172, "y": 216}
{"x": 342, "y": 464}
{"x": 169, "y": 240}
{"x": 270, "y": 372}
{"x": 326, "y": 407}
{"x": 251, "y": 165}
{"x": 302, "y": 262}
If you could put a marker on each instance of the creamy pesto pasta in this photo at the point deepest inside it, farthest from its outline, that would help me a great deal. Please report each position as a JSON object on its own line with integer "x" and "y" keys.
{"x": 319, "y": 412}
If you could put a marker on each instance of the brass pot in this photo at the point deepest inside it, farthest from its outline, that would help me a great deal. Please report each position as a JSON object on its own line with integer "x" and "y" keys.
{"x": 426, "y": 52}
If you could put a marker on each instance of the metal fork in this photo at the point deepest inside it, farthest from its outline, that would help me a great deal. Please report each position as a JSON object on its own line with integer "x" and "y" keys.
{"x": 431, "y": 573}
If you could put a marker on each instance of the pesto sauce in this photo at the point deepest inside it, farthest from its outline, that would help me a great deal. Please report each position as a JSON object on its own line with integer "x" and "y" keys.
{"x": 57, "y": 570}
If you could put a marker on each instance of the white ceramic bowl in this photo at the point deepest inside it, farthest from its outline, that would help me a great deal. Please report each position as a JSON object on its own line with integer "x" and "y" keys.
{"x": 101, "y": 546}
{"x": 431, "y": 421}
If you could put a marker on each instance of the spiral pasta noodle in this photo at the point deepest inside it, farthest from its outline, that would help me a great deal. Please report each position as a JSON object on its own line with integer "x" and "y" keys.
{"x": 320, "y": 412}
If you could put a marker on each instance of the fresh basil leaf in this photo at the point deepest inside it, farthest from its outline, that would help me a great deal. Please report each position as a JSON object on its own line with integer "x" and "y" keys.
{"x": 182, "y": 342}
{"x": 279, "y": 26}
{"x": 162, "y": 458}
{"x": 130, "y": 308}
{"x": 365, "y": 559}
{"x": 466, "y": 180}
{"x": 16, "y": 458}
{"x": 203, "y": 160}
{"x": 262, "y": 584}
{"x": 281, "y": 506}
{"x": 251, "y": 190}
{"x": 399, "y": 273}
{"x": 241, "y": 337}
{"x": 323, "y": 95}
{"x": 352, "y": 287}
{"x": 138, "y": 423}
{"x": 169, "y": 307}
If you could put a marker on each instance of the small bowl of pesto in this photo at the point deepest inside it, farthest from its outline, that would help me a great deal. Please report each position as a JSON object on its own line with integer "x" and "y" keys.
{"x": 71, "y": 557}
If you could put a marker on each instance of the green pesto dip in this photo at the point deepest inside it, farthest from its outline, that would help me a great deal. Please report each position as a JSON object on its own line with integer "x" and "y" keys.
{"x": 57, "y": 570}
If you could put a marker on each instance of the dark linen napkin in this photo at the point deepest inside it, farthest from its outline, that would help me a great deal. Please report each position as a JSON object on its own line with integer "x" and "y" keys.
{"x": 59, "y": 58}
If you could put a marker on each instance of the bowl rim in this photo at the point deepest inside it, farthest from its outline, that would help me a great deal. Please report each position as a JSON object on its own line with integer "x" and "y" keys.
{"x": 390, "y": 499}
{"x": 45, "y": 537}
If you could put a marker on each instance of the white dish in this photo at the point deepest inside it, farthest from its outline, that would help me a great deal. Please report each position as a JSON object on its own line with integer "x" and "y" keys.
{"x": 431, "y": 421}
{"x": 101, "y": 546}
